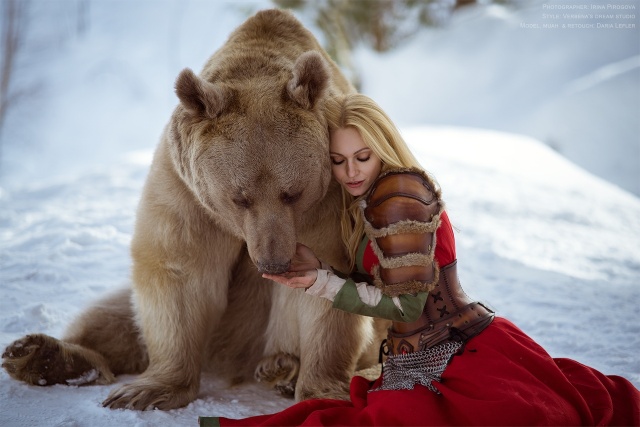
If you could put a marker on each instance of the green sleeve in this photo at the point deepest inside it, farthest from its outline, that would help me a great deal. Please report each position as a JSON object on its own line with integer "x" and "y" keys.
{"x": 347, "y": 299}
{"x": 209, "y": 421}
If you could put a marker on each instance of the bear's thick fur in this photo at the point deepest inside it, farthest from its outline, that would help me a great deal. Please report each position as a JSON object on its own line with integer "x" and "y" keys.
{"x": 241, "y": 174}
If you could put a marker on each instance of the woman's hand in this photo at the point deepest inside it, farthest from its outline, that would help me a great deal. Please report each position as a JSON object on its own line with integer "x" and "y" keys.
{"x": 295, "y": 279}
{"x": 304, "y": 259}
{"x": 302, "y": 272}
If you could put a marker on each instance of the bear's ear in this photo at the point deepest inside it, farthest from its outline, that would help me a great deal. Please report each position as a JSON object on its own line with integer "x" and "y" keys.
{"x": 310, "y": 79}
{"x": 199, "y": 96}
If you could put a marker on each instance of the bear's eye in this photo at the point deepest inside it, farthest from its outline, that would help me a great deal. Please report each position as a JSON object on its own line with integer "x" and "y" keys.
{"x": 289, "y": 198}
{"x": 242, "y": 202}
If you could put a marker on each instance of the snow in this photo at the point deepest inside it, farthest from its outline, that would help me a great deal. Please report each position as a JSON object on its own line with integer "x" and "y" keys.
{"x": 86, "y": 378}
{"x": 545, "y": 242}
{"x": 576, "y": 90}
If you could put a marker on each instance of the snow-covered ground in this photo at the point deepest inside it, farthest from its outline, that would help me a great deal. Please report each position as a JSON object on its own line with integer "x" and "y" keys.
{"x": 555, "y": 251}
{"x": 547, "y": 244}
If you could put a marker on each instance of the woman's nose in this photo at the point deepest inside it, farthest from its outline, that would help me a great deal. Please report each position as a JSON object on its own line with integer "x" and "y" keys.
{"x": 351, "y": 170}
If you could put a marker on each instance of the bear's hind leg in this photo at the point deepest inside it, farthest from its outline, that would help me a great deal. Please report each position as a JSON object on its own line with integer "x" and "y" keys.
{"x": 109, "y": 328}
{"x": 101, "y": 343}
{"x": 43, "y": 360}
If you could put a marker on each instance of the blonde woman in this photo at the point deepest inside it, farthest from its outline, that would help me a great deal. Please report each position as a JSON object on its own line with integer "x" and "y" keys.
{"x": 450, "y": 361}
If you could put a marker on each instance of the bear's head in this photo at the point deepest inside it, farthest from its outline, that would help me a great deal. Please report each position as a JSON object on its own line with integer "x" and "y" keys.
{"x": 254, "y": 151}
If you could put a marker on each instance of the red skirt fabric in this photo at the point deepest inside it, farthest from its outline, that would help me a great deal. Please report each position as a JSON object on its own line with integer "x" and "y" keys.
{"x": 501, "y": 377}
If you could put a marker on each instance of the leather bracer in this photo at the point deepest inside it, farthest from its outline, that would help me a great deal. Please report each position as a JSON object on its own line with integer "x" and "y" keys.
{"x": 401, "y": 216}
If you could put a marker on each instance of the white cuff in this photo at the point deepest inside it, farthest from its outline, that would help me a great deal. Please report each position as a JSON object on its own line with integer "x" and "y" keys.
{"x": 327, "y": 285}
{"x": 371, "y": 295}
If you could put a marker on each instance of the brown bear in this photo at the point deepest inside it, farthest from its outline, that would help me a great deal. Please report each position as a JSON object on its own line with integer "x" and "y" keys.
{"x": 242, "y": 173}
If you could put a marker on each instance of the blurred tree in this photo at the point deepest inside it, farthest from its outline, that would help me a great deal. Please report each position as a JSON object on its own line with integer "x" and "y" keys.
{"x": 31, "y": 34}
{"x": 13, "y": 32}
{"x": 82, "y": 17}
{"x": 379, "y": 24}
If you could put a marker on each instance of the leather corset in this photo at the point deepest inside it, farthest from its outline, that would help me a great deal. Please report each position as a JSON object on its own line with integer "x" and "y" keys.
{"x": 448, "y": 315}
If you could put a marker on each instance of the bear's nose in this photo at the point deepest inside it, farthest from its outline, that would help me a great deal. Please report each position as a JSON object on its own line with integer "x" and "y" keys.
{"x": 272, "y": 267}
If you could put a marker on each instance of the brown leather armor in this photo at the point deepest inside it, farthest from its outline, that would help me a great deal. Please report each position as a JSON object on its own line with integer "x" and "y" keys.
{"x": 402, "y": 213}
{"x": 448, "y": 315}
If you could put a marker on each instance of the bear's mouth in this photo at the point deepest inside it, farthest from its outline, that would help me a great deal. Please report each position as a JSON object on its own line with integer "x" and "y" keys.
{"x": 272, "y": 267}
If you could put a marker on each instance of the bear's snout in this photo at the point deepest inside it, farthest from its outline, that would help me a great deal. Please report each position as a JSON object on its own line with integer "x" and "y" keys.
{"x": 272, "y": 267}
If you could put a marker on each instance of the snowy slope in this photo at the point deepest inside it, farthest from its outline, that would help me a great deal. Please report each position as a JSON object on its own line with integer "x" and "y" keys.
{"x": 555, "y": 251}
{"x": 577, "y": 90}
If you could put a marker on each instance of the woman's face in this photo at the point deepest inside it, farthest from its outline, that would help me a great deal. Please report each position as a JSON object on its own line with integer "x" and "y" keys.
{"x": 355, "y": 166}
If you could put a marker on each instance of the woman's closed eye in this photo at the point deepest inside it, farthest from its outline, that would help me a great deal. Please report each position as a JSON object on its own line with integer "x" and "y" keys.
{"x": 341, "y": 161}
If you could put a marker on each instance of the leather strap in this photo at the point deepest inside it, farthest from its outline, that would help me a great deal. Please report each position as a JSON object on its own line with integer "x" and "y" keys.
{"x": 449, "y": 315}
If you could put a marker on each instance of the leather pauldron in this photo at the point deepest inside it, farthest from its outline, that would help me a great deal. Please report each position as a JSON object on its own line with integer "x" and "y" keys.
{"x": 401, "y": 215}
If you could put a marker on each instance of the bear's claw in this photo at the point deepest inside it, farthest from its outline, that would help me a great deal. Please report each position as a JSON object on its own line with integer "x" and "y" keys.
{"x": 146, "y": 394}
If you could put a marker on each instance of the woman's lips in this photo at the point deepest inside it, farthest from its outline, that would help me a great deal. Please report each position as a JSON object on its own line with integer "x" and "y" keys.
{"x": 354, "y": 184}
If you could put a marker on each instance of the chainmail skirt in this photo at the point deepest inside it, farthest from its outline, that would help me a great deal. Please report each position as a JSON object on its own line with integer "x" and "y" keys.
{"x": 404, "y": 371}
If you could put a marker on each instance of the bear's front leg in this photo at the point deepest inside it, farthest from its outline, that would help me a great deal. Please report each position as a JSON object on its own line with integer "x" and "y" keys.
{"x": 177, "y": 303}
{"x": 330, "y": 346}
{"x": 173, "y": 320}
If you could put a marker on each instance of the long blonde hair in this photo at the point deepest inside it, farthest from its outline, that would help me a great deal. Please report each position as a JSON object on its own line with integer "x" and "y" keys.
{"x": 379, "y": 134}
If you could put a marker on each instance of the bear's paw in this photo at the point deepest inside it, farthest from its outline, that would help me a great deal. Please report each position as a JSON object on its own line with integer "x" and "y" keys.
{"x": 42, "y": 360}
{"x": 147, "y": 393}
{"x": 280, "y": 371}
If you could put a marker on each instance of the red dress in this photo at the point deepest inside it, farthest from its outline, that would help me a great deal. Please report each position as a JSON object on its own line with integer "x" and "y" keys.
{"x": 502, "y": 377}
